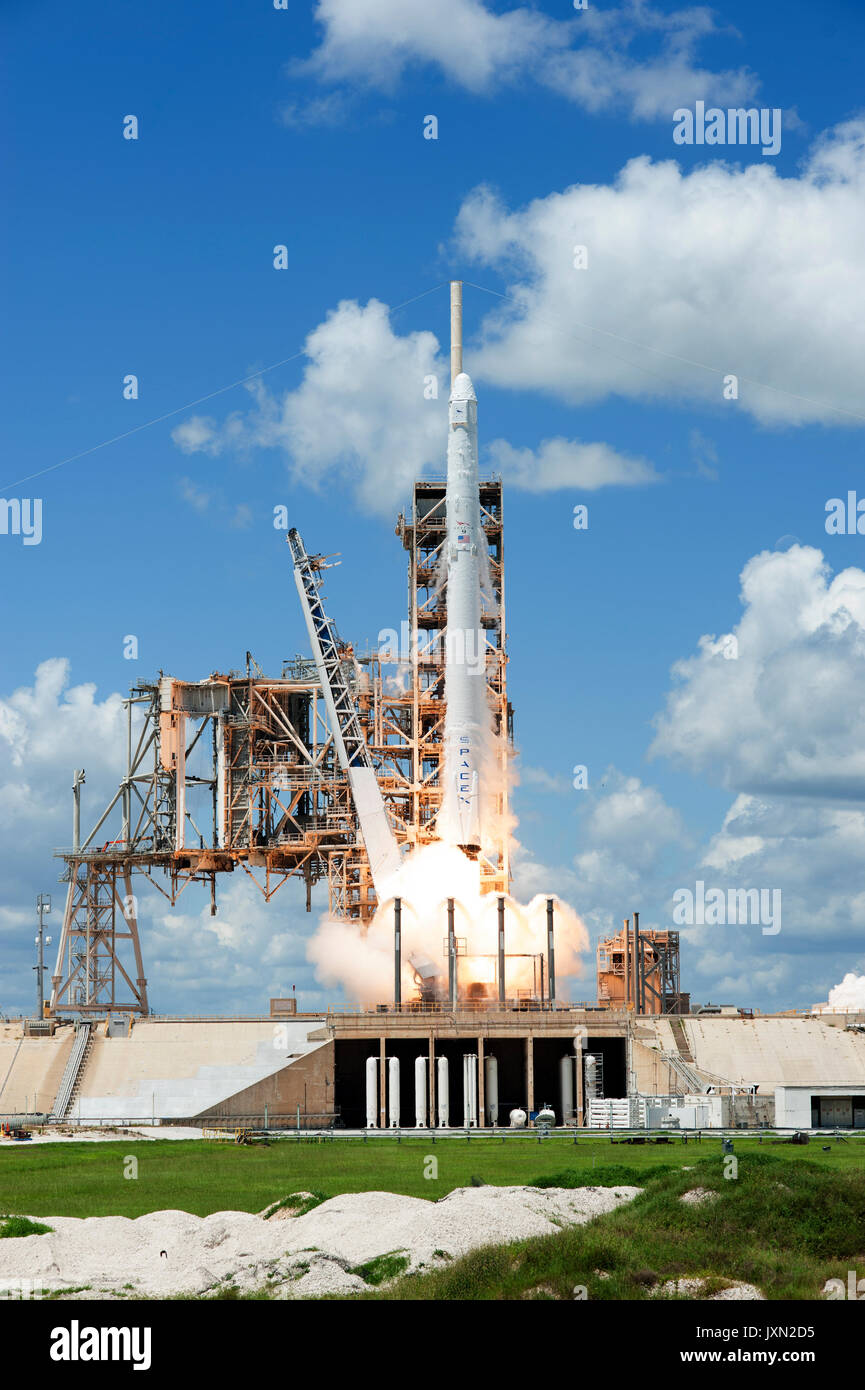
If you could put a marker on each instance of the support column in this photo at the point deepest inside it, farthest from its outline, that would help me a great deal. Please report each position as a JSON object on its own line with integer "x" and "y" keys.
{"x": 397, "y": 952}
{"x": 502, "y": 952}
{"x": 638, "y": 971}
{"x": 382, "y": 1086}
{"x": 452, "y": 957}
{"x": 530, "y": 1076}
{"x": 482, "y": 1099}
{"x": 627, "y": 930}
{"x": 433, "y": 1098}
{"x": 551, "y": 955}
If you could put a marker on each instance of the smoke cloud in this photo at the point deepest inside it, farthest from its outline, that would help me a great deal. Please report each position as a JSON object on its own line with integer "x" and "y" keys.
{"x": 849, "y": 996}
{"x": 362, "y": 962}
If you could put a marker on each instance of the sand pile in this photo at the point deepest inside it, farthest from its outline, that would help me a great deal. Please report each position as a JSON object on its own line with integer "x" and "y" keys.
{"x": 105, "y": 1134}
{"x": 171, "y": 1252}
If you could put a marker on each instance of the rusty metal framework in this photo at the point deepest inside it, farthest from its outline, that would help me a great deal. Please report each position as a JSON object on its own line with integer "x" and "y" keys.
{"x": 239, "y": 771}
{"x": 654, "y": 987}
{"x": 100, "y": 919}
{"x": 413, "y": 725}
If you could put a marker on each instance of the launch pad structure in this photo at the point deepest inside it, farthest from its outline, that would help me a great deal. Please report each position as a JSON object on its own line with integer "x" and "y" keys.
{"x": 245, "y": 771}
{"x": 337, "y": 771}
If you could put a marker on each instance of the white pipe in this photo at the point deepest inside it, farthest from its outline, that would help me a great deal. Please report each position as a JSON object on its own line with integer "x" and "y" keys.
{"x": 393, "y": 1092}
{"x": 220, "y": 780}
{"x": 491, "y": 1089}
{"x": 180, "y": 782}
{"x": 372, "y": 1093}
{"x": 470, "y": 1090}
{"x": 420, "y": 1067}
{"x": 443, "y": 1093}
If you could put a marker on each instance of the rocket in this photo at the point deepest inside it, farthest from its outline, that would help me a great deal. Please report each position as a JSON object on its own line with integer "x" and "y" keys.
{"x": 467, "y": 718}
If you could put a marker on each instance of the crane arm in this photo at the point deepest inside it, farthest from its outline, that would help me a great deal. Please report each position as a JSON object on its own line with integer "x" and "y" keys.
{"x": 351, "y": 746}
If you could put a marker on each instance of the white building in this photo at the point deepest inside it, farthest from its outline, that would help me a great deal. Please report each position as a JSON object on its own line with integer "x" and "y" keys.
{"x": 812, "y": 1106}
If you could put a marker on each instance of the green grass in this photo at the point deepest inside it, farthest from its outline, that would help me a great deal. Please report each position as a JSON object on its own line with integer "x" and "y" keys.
{"x": 786, "y": 1226}
{"x": 383, "y": 1267}
{"x": 298, "y": 1202}
{"x": 12, "y": 1227}
{"x": 203, "y": 1176}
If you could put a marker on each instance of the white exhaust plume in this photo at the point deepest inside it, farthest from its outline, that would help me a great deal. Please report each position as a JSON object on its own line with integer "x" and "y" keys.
{"x": 361, "y": 963}
{"x": 848, "y": 997}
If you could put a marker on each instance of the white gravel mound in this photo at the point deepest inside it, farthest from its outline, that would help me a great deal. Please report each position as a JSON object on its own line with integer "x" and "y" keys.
{"x": 698, "y": 1195}
{"x": 171, "y": 1252}
{"x": 693, "y": 1288}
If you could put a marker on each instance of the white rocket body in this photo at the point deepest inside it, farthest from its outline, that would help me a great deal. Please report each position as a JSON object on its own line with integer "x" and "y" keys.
{"x": 467, "y": 716}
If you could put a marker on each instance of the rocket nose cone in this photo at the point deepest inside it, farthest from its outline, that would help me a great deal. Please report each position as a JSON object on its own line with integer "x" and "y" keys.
{"x": 462, "y": 389}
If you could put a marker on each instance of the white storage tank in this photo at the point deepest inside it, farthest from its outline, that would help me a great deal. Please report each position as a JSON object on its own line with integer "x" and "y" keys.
{"x": 372, "y": 1093}
{"x": 393, "y": 1092}
{"x": 420, "y": 1066}
{"x": 443, "y": 1092}
{"x": 470, "y": 1090}
{"x": 491, "y": 1089}
{"x": 566, "y": 1088}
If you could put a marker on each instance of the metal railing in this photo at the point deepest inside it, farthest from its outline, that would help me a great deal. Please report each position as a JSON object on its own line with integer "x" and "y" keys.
{"x": 465, "y": 1006}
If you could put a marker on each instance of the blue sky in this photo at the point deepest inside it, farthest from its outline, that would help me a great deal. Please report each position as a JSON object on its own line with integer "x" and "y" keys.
{"x": 304, "y": 127}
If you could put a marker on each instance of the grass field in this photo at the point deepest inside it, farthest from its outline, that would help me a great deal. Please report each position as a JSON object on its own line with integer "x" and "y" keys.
{"x": 205, "y": 1176}
{"x": 786, "y": 1227}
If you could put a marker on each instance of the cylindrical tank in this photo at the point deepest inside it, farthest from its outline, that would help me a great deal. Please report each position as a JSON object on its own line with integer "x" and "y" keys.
{"x": 566, "y": 1088}
{"x": 420, "y": 1066}
{"x": 443, "y": 1093}
{"x": 518, "y": 1119}
{"x": 372, "y": 1093}
{"x": 393, "y": 1092}
{"x": 545, "y": 1116}
{"x": 491, "y": 1089}
{"x": 470, "y": 1090}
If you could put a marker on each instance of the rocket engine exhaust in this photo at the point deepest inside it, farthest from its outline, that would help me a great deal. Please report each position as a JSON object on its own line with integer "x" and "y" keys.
{"x": 467, "y": 719}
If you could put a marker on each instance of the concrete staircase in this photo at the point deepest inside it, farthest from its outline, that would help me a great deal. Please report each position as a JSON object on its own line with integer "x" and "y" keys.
{"x": 74, "y": 1071}
{"x": 680, "y": 1038}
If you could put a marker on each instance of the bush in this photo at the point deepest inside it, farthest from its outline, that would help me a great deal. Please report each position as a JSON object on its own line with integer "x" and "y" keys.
{"x": 12, "y": 1227}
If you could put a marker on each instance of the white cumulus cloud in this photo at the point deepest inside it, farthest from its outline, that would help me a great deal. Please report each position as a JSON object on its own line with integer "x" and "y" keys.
{"x": 561, "y": 463}
{"x": 786, "y": 713}
{"x": 634, "y": 56}
{"x": 703, "y": 267}
{"x": 371, "y": 411}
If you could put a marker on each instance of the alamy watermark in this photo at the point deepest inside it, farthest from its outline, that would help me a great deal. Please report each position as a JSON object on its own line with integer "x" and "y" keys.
{"x": 845, "y": 518}
{"x": 17, "y": 1289}
{"x": 462, "y": 647}
{"x": 735, "y": 126}
{"x": 713, "y": 907}
{"x": 855, "y": 1289}
{"x": 22, "y": 516}
{"x": 77, "y": 1343}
